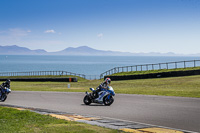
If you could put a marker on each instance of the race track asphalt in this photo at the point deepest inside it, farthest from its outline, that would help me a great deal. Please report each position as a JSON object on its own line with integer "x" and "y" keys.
{"x": 174, "y": 112}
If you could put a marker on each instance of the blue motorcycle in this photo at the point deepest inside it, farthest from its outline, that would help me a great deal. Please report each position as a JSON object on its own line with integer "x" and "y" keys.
{"x": 105, "y": 96}
{"x": 4, "y": 91}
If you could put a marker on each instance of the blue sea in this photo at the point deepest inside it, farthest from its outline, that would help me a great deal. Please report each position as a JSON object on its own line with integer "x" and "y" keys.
{"x": 88, "y": 65}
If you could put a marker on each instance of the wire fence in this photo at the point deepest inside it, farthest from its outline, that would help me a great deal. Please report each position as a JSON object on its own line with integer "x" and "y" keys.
{"x": 158, "y": 66}
{"x": 49, "y": 73}
{"x": 42, "y": 73}
{"x": 92, "y": 77}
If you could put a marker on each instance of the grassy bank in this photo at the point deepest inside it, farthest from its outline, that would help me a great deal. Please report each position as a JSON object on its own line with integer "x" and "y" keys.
{"x": 13, "y": 121}
{"x": 187, "y": 86}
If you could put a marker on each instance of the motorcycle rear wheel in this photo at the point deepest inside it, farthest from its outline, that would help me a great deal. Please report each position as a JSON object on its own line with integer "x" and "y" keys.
{"x": 87, "y": 100}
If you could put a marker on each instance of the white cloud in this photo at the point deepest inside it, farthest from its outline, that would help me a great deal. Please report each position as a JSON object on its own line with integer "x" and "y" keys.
{"x": 49, "y": 31}
{"x": 13, "y": 36}
{"x": 16, "y": 32}
{"x": 100, "y": 35}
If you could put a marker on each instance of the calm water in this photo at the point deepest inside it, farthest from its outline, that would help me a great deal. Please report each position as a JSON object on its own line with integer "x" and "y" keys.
{"x": 88, "y": 65}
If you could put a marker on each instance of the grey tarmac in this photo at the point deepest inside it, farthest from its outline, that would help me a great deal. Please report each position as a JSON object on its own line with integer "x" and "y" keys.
{"x": 174, "y": 112}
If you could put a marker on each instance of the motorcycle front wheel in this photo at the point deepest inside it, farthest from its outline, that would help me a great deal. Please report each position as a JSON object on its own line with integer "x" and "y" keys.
{"x": 87, "y": 100}
{"x": 107, "y": 101}
{"x": 3, "y": 97}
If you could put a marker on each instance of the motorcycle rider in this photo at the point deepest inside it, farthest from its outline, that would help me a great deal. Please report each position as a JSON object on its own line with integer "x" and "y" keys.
{"x": 4, "y": 85}
{"x": 103, "y": 85}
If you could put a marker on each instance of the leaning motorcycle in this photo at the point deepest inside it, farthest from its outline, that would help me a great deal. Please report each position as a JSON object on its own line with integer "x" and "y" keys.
{"x": 105, "y": 96}
{"x": 4, "y": 91}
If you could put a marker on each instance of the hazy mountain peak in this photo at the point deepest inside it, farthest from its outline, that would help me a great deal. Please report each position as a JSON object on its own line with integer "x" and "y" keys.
{"x": 16, "y": 50}
{"x": 80, "y": 48}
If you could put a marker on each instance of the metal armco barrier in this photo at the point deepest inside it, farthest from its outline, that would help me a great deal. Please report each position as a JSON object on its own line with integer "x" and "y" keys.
{"x": 42, "y": 79}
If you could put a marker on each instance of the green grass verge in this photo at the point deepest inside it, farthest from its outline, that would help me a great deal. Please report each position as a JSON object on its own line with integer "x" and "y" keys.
{"x": 14, "y": 121}
{"x": 187, "y": 86}
{"x": 154, "y": 71}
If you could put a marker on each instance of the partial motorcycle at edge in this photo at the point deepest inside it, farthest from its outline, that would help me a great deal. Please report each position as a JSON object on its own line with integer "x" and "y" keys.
{"x": 4, "y": 90}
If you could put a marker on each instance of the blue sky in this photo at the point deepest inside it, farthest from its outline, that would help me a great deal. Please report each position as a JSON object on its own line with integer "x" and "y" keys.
{"x": 117, "y": 25}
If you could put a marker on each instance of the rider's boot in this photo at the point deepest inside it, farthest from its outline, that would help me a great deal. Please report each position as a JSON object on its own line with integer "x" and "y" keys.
{"x": 95, "y": 94}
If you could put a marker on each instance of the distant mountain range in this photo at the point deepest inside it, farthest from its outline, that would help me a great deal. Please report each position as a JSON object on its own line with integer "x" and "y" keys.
{"x": 83, "y": 50}
{"x": 87, "y": 51}
{"x": 16, "y": 50}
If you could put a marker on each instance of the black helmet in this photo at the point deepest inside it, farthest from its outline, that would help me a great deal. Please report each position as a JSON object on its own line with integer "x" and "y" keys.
{"x": 8, "y": 81}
